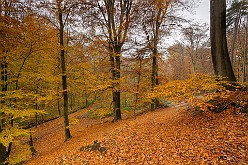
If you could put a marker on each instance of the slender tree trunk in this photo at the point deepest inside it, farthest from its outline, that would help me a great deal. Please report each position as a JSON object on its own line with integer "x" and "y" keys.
{"x": 36, "y": 107}
{"x": 137, "y": 88}
{"x": 117, "y": 22}
{"x": 193, "y": 54}
{"x": 155, "y": 101}
{"x": 71, "y": 102}
{"x": 112, "y": 64}
{"x": 238, "y": 69}
{"x": 3, "y": 151}
{"x": 86, "y": 100}
{"x": 58, "y": 102}
{"x": 114, "y": 51}
{"x": 16, "y": 88}
{"x": 221, "y": 61}
{"x": 115, "y": 69}
{"x": 244, "y": 77}
{"x": 117, "y": 93}
{"x": 64, "y": 77}
{"x": 31, "y": 145}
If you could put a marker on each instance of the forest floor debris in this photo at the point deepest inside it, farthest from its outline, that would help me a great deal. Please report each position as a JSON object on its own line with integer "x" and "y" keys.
{"x": 165, "y": 136}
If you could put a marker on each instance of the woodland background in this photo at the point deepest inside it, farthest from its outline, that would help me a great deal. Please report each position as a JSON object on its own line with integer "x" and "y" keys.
{"x": 58, "y": 57}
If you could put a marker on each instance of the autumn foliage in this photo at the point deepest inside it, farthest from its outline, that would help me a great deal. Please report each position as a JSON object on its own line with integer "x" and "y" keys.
{"x": 101, "y": 61}
{"x": 203, "y": 93}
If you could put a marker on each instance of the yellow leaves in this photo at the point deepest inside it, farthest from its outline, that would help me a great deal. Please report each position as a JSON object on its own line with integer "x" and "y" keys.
{"x": 101, "y": 112}
{"x": 73, "y": 121}
{"x": 10, "y": 133}
{"x": 21, "y": 153}
{"x": 18, "y": 104}
{"x": 15, "y": 94}
{"x": 20, "y": 113}
{"x": 101, "y": 87}
{"x": 198, "y": 89}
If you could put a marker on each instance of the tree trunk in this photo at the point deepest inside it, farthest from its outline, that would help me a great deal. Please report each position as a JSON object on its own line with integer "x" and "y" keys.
{"x": 117, "y": 19}
{"x": 58, "y": 102}
{"x": 221, "y": 61}
{"x": 86, "y": 100}
{"x": 3, "y": 151}
{"x": 116, "y": 92}
{"x": 64, "y": 77}
{"x": 137, "y": 87}
{"x": 155, "y": 101}
{"x": 31, "y": 145}
{"x": 244, "y": 77}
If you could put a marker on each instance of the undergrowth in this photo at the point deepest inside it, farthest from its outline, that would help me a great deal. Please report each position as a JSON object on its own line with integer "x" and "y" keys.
{"x": 205, "y": 93}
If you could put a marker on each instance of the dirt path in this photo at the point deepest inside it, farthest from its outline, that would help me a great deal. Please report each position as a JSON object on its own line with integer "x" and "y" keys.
{"x": 165, "y": 136}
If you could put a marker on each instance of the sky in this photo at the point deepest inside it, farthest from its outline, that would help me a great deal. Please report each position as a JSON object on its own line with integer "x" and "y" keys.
{"x": 203, "y": 12}
{"x": 200, "y": 14}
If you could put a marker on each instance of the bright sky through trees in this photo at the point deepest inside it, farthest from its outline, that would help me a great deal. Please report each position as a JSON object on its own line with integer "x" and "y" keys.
{"x": 199, "y": 14}
{"x": 202, "y": 12}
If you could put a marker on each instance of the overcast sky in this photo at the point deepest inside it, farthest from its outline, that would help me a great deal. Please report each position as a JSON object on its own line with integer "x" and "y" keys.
{"x": 203, "y": 12}
{"x": 201, "y": 15}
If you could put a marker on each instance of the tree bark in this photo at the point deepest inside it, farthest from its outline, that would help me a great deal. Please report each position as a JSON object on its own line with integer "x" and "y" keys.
{"x": 140, "y": 58}
{"x": 244, "y": 76}
{"x": 64, "y": 77}
{"x": 116, "y": 92}
{"x": 3, "y": 151}
{"x": 155, "y": 101}
{"x": 117, "y": 32}
{"x": 221, "y": 61}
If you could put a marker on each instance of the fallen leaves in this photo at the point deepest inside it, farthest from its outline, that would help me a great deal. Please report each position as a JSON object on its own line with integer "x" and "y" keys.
{"x": 166, "y": 136}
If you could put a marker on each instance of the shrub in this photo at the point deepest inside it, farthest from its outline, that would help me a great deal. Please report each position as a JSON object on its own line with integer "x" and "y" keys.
{"x": 202, "y": 93}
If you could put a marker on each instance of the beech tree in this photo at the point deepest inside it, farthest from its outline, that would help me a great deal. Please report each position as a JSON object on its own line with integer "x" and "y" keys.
{"x": 58, "y": 13}
{"x": 153, "y": 14}
{"x": 115, "y": 17}
{"x": 26, "y": 43}
{"x": 220, "y": 57}
{"x": 9, "y": 38}
{"x": 63, "y": 68}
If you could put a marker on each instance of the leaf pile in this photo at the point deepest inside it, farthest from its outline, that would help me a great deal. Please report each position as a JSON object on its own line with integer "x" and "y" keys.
{"x": 166, "y": 136}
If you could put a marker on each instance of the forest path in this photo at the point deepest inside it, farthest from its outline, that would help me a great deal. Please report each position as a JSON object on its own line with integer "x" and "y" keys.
{"x": 165, "y": 136}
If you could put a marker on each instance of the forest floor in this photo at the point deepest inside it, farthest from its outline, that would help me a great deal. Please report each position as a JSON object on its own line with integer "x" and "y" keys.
{"x": 165, "y": 136}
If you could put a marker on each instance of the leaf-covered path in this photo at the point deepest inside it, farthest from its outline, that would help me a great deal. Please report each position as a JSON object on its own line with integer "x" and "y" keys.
{"x": 165, "y": 136}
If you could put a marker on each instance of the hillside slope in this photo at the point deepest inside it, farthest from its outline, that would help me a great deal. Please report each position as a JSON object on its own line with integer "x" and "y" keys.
{"x": 165, "y": 136}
